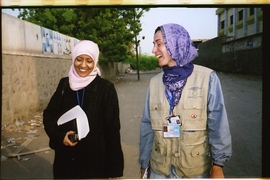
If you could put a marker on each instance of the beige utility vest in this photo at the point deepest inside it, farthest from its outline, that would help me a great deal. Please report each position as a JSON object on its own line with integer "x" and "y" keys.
{"x": 190, "y": 153}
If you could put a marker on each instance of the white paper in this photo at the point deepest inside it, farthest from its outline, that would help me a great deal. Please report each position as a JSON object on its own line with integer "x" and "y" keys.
{"x": 81, "y": 120}
{"x": 146, "y": 172}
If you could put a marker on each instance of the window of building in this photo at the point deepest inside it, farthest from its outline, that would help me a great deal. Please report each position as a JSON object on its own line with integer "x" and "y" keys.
{"x": 222, "y": 24}
{"x": 251, "y": 11}
{"x": 231, "y": 19}
{"x": 240, "y": 15}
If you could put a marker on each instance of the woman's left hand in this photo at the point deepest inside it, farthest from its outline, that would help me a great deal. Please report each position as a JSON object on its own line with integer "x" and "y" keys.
{"x": 67, "y": 141}
{"x": 217, "y": 172}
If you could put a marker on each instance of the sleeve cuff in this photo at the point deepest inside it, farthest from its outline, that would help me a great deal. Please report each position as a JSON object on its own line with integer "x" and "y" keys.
{"x": 214, "y": 164}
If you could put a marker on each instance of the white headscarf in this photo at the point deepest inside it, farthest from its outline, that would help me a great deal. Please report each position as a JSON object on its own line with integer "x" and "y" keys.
{"x": 91, "y": 49}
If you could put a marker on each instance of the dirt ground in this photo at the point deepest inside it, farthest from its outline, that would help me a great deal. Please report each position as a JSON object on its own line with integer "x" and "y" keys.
{"x": 243, "y": 99}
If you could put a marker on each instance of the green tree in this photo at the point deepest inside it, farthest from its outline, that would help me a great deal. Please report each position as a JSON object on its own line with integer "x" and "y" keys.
{"x": 137, "y": 14}
{"x": 113, "y": 29}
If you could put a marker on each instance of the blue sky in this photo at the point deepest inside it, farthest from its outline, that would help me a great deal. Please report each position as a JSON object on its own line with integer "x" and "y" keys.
{"x": 201, "y": 23}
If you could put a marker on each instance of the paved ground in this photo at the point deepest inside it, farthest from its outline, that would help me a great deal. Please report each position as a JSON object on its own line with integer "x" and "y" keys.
{"x": 243, "y": 98}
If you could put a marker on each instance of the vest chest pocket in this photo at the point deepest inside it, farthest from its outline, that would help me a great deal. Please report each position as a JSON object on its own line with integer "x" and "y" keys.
{"x": 194, "y": 114}
{"x": 157, "y": 112}
{"x": 156, "y": 107}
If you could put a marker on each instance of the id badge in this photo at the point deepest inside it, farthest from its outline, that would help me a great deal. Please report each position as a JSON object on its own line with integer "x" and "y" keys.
{"x": 173, "y": 127}
{"x": 171, "y": 130}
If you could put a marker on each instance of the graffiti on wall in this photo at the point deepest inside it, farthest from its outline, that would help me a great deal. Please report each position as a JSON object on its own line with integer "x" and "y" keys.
{"x": 67, "y": 46}
{"x": 56, "y": 43}
{"x": 47, "y": 41}
{"x": 243, "y": 43}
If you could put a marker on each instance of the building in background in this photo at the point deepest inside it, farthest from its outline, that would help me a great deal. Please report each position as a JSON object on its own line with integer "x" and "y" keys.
{"x": 238, "y": 45}
{"x": 243, "y": 27}
{"x": 239, "y": 22}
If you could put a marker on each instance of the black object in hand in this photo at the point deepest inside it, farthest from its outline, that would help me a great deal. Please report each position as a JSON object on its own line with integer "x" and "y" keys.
{"x": 73, "y": 137}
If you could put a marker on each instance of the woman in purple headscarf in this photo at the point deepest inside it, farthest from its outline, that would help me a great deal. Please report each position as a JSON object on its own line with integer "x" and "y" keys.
{"x": 99, "y": 154}
{"x": 184, "y": 129}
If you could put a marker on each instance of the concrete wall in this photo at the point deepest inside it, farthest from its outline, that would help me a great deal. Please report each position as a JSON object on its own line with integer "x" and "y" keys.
{"x": 28, "y": 82}
{"x": 215, "y": 54}
{"x": 34, "y": 59}
{"x": 22, "y": 36}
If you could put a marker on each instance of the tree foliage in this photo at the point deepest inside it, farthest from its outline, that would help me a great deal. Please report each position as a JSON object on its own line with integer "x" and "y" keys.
{"x": 113, "y": 29}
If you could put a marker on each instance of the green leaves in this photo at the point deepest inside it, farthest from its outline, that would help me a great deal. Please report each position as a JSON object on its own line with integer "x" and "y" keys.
{"x": 113, "y": 29}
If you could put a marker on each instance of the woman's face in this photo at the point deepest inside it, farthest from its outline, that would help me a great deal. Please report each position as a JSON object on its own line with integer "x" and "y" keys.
{"x": 84, "y": 65}
{"x": 159, "y": 49}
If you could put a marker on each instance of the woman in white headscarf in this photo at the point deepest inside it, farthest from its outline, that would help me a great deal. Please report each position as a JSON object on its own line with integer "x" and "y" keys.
{"x": 99, "y": 154}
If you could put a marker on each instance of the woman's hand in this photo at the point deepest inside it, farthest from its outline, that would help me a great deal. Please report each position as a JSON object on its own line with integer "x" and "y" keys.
{"x": 67, "y": 141}
{"x": 142, "y": 173}
{"x": 216, "y": 172}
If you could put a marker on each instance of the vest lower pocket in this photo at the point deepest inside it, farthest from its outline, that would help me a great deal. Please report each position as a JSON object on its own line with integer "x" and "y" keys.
{"x": 159, "y": 160}
{"x": 158, "y": 154}
{"x": 193, "y": 160}
{"x": 159, "y": 150}
{"x": 194, "y": 155}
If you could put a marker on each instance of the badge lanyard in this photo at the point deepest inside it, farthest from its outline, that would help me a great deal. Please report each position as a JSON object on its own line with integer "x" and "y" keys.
{"x": 78, "y": 97}
{"x": 170, "y": 97}
{"x": 172, "y": 129}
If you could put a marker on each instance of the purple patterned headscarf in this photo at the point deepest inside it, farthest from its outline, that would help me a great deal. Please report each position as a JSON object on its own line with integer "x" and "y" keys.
{"x": 178, "y": 43}
{"x": 182, "y": 50}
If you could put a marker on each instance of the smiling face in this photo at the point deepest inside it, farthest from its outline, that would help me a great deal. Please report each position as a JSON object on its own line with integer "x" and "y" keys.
{"x": 159, "y": 49}
{"x": 84, "y": 65}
